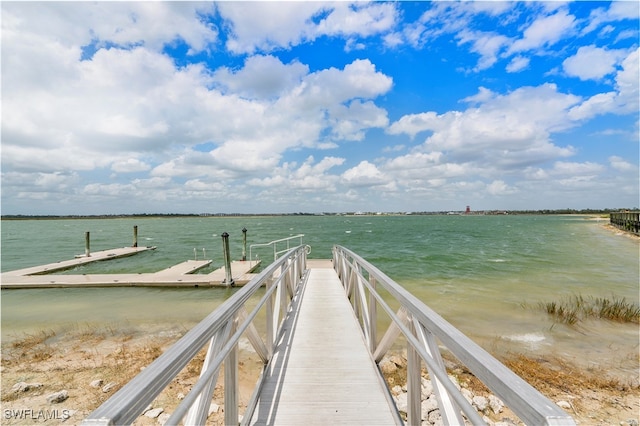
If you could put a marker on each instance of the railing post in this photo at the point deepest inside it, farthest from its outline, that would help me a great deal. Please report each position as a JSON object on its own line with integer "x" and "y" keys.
{"x": 414, "y": 400}
{"x": 135, "y": 235}
{"x": 373, "y": 316}
{"x": 199, "y": 411}
{"x": 87, "y": 244}
{"x": 231, "y": 385}
{"x": 269, "y": 314}
{"x": 244, "y": 244}
{"x": 227, "y": 259}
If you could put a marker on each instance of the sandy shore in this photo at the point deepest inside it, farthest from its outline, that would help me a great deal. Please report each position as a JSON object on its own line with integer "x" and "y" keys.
{"x": 91, "y": 365}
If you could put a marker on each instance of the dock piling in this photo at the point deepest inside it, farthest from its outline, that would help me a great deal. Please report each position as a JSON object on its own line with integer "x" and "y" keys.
{"x": 135, "y": 236}
{"x": 227, "y": 259}
{"x": 87, "y": 244}
{"x": 244, "y": 243}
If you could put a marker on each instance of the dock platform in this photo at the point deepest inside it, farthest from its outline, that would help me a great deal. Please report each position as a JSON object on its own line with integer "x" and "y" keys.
{"x": 180, "y": 275}
{"x": 79, "y": 260}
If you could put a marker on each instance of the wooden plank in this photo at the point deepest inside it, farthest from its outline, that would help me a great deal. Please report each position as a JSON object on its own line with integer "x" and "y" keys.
{"x": 322, "y": 372}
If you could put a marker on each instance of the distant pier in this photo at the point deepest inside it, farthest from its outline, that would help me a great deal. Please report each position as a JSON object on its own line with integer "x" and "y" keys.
{"x": 627, "y": 221}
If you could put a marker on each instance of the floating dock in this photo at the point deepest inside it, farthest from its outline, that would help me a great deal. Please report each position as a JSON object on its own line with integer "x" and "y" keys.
{"x": 180, "y": 275}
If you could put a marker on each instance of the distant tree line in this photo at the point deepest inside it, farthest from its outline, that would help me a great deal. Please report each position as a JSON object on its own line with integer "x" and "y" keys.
{"x": 152, "y": 215}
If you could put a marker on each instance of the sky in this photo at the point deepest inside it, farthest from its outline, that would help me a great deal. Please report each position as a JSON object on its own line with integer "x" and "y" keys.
{"x": 287, "y": 107}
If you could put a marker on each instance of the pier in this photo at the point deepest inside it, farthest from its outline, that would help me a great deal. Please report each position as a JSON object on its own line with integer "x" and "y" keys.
{"x": 627, "y": 221}
{"x": 185, "y": 274}
{"x": 321, "y": 350}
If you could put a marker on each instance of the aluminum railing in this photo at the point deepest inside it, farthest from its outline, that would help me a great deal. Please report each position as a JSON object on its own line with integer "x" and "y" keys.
{"x": 222, "y": 330}
{"x": 274, "y": 244}
{"x": 422, "y": 329}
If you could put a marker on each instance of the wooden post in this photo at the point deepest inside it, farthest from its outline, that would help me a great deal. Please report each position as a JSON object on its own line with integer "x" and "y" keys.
{"x": 135, "y": 235}
{"x": 227, "y": 259}
{"x": 87, "y": 251}
{"x": 244, "y": 244}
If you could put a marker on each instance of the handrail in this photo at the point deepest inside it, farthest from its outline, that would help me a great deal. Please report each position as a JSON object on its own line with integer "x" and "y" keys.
{"x": 274, "y": 243}
{"x": 421, "y": 326}
{"x": 222, "y": 329}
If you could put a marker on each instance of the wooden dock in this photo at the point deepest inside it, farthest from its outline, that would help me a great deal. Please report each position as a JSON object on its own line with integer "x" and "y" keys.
{"x": 322, "y": 372}
{"x": 627, "y": 221}
{"x": 180, "y": 275}
{"x": 79, "y": 260}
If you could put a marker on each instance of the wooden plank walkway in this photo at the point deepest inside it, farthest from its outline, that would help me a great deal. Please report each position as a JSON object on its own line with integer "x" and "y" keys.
{"x": 322, "y": 372}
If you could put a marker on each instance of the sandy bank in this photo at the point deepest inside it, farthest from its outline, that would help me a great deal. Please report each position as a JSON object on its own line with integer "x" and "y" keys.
{"x": 92, "y": 364}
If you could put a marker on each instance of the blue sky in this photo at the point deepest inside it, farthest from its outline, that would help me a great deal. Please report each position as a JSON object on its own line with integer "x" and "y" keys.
{"x": 281, "y": 107}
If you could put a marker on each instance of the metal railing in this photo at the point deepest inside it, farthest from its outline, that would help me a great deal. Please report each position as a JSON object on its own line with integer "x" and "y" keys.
{"x": 222, "y": 330}
{"x": 274, "y": 243}
{"x": 422, "y": 329}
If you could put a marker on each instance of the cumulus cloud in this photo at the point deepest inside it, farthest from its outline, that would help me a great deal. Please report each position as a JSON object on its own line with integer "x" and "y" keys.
{"x": 544, "y": 31}
{"x": 499, "y": 187}
{"x": 622, "y": 101}
{"x": 510, "y": 130}
{"x": 301, "y": 22}
{"x": 593, "y": 63}
{"x": 364, "y": 174}
{"x": 261, "y": 77}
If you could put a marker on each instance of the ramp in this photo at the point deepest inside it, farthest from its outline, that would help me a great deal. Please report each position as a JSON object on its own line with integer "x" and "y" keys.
{"x": 321, "y": 372}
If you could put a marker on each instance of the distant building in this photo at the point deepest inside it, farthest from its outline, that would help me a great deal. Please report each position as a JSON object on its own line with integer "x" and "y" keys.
{"x": 468, "y": 210}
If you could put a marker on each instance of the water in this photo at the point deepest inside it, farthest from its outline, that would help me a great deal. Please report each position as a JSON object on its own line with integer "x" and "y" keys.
{"x": 481, "y": 273}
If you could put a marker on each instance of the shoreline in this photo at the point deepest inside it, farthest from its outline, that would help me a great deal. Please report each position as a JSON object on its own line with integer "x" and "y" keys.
{"x": 90, "y": 365}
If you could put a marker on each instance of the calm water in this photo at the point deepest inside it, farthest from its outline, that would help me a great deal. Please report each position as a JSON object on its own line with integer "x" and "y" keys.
{"x": 475, "y": 271}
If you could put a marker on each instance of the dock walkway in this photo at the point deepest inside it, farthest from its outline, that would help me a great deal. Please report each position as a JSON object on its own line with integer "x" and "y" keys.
{"x": 180, "y": 275}
{"x": 79, "y": 260}
{"x": 322, "y": 372}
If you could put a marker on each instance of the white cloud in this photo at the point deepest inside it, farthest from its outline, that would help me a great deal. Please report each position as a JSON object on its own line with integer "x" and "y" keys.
{"x": 287, "y": 181}
{"x": 510, "y": 130}
{"x": 261, "y": 77}
{"x": 593, "y": 63}
{"x": 351, "y": 120}
{"x": 620, "y": 164}
{"x": 364, "y": 174}
{"x": 301, "y": 22}
{"x": 412, "y": 124}
{"x": 101, "y": 23}
{"x": 499, "y": 187}
{"x": 618, "y": 11}
{"x": 544, "y": 31}
{"x": 600, "y": 103}
{"x": 564, "y": 168}
{"x": 517, "y": 64}
{"x": 623, "y": 101}
{"x": 360, "y": 19}
{"x": 487, "y": 45}
{"x": 130, "y": 165}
